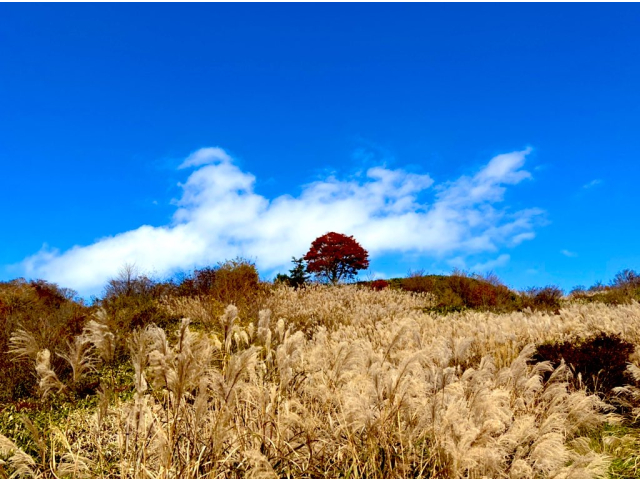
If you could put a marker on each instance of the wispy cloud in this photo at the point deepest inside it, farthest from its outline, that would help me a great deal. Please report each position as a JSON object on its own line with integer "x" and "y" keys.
{"x": 461, "y": 263}
{"x": 205, "y": 156}
{"x": 592, "y": 183}
{"x": 568, "y": 253}
{"x": 489, "y": 265}
{"x": 220, "y": 216}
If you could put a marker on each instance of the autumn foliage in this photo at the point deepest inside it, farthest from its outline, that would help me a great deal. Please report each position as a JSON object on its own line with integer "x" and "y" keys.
{"x": 334, "y": 257}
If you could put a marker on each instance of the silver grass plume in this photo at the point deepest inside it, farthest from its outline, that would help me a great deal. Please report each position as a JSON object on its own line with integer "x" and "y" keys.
{"x": 240, "y": 365}
{"x": 139, "y": 344}
{"x": 7, "y": 447}
{"x": 180, "y": 368}
{"x": 263, "y": 335}
{"x": 288, "y": 356}
{"x": 21, "y": 465}
{"x": 47, "y": 379}
{"x": 137, "y": 415}
{"x": 79, "y": 356}
{"x": 227, "y": 321}
{"x": 97, "y": 331}
{"x": 23, "y": 344}
{"x": 74, "y": 465}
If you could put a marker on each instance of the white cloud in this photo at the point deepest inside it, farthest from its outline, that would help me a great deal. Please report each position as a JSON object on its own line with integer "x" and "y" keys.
{"x": 521, "y": 237}
{"x": 489, "y": 265}
{"x": 219, "y": 216}
{"x": 568, "y": 253}
{"x": 205, "y": 156}
{"x": 592, "y": 183}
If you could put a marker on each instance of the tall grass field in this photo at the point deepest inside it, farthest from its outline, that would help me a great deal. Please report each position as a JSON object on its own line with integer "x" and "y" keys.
{"x": 222, "y": 375}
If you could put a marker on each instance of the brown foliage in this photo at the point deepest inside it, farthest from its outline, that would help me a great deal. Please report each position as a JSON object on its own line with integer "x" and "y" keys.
{"x": 234, "y": 282}
{"x": 459, "y": 291}
{"x": 49, "y": 315}
{"x": 546, "y": 299}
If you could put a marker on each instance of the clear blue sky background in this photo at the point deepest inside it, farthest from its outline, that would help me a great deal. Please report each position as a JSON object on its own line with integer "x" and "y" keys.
{"x": 99, "y": 104}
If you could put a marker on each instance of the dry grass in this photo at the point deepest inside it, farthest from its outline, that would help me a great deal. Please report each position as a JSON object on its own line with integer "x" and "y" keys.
{"x": 337, "y": 382}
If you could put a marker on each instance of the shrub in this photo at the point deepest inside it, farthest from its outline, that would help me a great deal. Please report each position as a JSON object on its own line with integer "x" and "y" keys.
{"x": 128, "y": 283}
{"x": 379, "y": 285}
{"x": 578, "y": 290}
{"x": 610, "y": 296}
{"x": 49, "y": 316}
{"x": 626, "y": 278}
{"x": 598, "y": 362}
{"x": 419, "y": 282}
{"x": 130, "y": 301}
{"x": 458, "y": 291}
{"x": 201, "y": 283}
{"x": 547, "y": 298}
{"x": 234, "y": 282}
{"x": 623, "y": 289}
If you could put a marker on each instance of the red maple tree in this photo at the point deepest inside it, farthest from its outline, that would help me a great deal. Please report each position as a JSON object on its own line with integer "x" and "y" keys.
{"x": 335, "y": 256}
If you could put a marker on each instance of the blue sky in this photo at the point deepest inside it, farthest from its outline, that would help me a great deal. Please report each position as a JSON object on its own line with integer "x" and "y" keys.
{"x": 496, "y": 137}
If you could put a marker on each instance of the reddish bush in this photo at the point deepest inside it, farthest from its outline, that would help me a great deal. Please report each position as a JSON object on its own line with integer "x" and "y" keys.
{"x": 482, "y": 295}
{"x": 379, "y": 285}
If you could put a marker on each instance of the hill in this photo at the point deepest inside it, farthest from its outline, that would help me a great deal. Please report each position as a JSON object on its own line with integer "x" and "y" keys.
{"x": 219, "y": 374}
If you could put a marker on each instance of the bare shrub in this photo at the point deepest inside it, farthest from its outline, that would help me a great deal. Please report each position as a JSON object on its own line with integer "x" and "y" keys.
{"x": 548, "y": 298}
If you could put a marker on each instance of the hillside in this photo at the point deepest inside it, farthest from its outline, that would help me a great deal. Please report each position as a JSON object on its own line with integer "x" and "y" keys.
{"x": 221, "y": 375}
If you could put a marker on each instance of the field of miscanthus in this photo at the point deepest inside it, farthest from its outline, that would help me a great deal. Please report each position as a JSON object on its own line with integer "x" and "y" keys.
{"x": 323, "y": 381}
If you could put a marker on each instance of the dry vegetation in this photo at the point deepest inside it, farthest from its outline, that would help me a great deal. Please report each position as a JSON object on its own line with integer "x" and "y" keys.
{"x": 342, "y": 381}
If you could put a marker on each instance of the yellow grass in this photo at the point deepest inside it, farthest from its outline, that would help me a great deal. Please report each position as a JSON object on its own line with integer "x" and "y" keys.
{"x": 342, "y": 382}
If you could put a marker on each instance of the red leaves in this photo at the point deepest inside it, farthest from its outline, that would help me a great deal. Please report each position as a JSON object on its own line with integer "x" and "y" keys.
{"x": 378, "y": 285}
{"x": 335, "y": 256}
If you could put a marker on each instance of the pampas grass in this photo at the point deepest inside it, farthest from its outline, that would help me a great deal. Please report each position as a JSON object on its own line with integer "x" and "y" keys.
{"x": 23, "y": 344}
{"x": 47, "y": 379}
{"x": 98, "y": 333}
{"x": 341, "y": 382}
{"x": 79, "y": 356}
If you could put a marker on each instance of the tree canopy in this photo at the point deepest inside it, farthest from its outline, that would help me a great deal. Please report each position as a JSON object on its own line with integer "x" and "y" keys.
{"x": 334, "y": 257}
